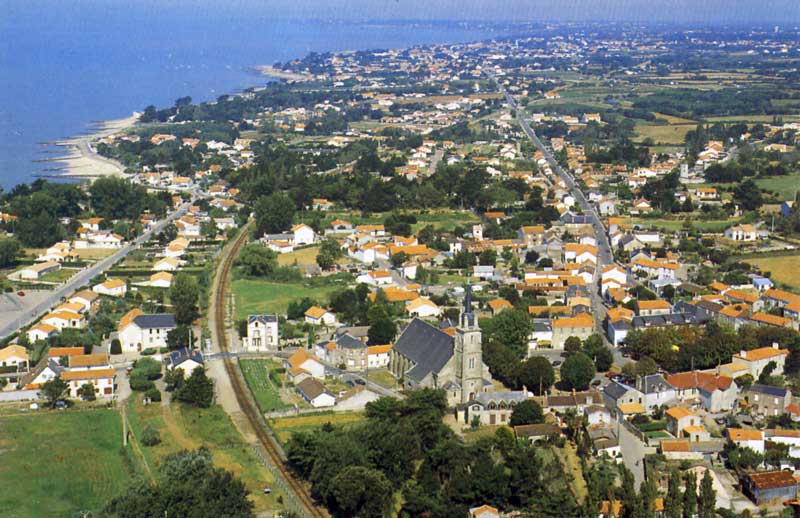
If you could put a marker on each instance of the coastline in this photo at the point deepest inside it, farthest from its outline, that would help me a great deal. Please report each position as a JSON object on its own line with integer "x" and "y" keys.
{"x": 270, "y": 71}
{"x": 82, "y": 161}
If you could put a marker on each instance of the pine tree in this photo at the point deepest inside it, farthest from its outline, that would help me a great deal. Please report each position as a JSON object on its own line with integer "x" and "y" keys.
{"x": 708, "y": 497}
{"x": 690, "y": 495}
{"x": 673, "y": 503}
{"x": 648, "y": 494}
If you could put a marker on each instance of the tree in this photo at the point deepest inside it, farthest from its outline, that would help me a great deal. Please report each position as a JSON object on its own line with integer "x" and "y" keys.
{"x": 150, "y": 436}
{"x": 673, "y": 502}
{"x": 399, "y": 259}
{"x": 256, "y": 261}
{"x": 572, "y": 344}
{"x": 595, "y": 349}
{"x": 537, "y": 375}
{"x": 646, "y": 366}
{"x": 116, "y": 346}
{"x": 86, "y": 392}
{"x": 382, "y": 331}
{"x": 690, "y": 495}
{"x": 189, "y": 485}
{"x": 488, "y": 257}
{"x": 360, "y": 492}
{"x": 178, "y": 338}
{"x": 708, "y": 497}
{"x": 511, "y": 328}
{"x": 184, "y": 295}
{"x": 577, "y": 371}
{"x": 9, "y": 251}
{"x": 748, "y": 195}
{"x": 209, "y": 228}
{"x": 53, "y": 391}
{"x": 197, "y": 390}
{"x": 274, "y": 214}
{"x": 526, "y": 412}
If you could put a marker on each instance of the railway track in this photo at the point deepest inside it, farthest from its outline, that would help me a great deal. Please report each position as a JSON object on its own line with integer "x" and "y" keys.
{"x": 247, "y": 405}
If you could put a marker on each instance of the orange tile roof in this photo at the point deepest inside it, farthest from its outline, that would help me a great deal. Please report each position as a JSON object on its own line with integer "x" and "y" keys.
{"x": 631, "y": 408}
{"x": 674, "y": 446}
{"x": 762, "y": 353}
{"x": 741, "y": 434}
{"x": 772, "y": 320}
{"x": 695, "y": 429}
{"x": 315, "y": 312}
{"x": 499, "y": 303}
{"x": 582, "y": 320}
{"x": 88, "y": 360}
{"x": 379, "y": 349}
{"x": 619, "y": 313}
{"x": 782, "y": 295}
{"x": 697, "y": 379}
{"x": 87, "y": 374}
{"x": 679, "y": 412}
{"x": 653, "y": 304}
{"x": 64, "y": 351}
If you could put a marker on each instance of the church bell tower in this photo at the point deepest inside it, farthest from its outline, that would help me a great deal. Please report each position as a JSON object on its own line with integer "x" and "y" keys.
{"x": 469, "y": 351}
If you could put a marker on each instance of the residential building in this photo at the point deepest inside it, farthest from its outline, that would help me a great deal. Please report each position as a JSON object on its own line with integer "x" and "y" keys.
{"x": 756, "y": 360}
{"x": 262, "y": 333}
{"x": 716, "y": 393}
{"x": 36, "y": 271}
{"x": 302, "y": 364}
{"x": 14, "y": 356}
{"x": 319, "y": 317}
{"x": 138, "y": 331}
{"x": 111, "y": 287}
{"x": 315, "y": 393}
{"x": 581, "y": 326}
{"x": 766, "y": 400}
{"x": 490, "y": 408}
{"x": 186, "y": 360}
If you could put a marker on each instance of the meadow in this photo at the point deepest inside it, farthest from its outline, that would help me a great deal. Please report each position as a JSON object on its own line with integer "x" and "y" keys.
{"x": 785, "y": 187}
{"x": 783, "y": 268}
{"x": 284, "y": 427}
{"x": 255, "y": 297}
{"x": 60, "y": 463}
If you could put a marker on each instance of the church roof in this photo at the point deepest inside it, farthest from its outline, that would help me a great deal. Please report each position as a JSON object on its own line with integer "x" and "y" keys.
{"x": 426, "y": 346}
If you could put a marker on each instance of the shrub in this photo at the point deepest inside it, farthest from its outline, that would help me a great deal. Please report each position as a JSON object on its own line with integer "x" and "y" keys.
{"x": 116, "y": 346}
{"x": 139, "y": 381}
{"x": 154, "y": 394}
{"x": 149, "y": 366}
{"x": 149, "y": 351}
{"x": 150, "y": 436}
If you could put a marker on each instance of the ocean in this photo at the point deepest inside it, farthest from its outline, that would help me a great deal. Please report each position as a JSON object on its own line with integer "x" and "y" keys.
{"x": 68, "y": 64}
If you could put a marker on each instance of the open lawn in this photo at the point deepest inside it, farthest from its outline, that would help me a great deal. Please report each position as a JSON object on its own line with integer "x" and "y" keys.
{"x": 785, "y": 186}
{"x": 61, "y": 275}
{"x": 94, "y": 254}
{"x": 783, "y": 268}
{"x": 382, "y": 377}
{"x": 284, "y": 427}
{"x": 666, "y": 133}
{"x": 305, "y": 257}
{"x": 186, "y": 428}
{"x": 675, "y": 224}
{"x": 257, "y": 297}
{"x": 256, "y": 373}
{"x": 59, "y": 463}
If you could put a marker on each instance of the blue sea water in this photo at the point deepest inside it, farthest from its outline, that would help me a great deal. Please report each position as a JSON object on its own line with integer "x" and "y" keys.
{"x": 67, "y": 64}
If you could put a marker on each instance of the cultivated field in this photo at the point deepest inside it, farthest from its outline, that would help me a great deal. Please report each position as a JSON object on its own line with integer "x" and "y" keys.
{"x": 665, "y": 133}
{"x": 60, "y": 463}
{"x": 785, "y": 186}
{"x": 256, "y": 373}
{"x": 286, "y": 426}
{"x": 783, "y": 268}
{"x": 256, "y": 297}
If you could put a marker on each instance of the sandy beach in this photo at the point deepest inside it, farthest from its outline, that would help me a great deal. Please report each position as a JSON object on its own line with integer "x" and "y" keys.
{"x": 81, "y": 160}
{"x": 277, "y": 73}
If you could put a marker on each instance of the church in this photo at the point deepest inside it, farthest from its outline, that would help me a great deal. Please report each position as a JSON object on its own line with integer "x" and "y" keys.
{"x": 425, "y": 356}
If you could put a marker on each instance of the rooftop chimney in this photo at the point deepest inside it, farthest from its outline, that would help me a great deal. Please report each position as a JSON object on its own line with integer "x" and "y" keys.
{"x": 775, "y": 345}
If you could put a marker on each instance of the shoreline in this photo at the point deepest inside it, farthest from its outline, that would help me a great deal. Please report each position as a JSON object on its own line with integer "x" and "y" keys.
{"x": 270, "y": 71}
{"x": 81, "y": 160}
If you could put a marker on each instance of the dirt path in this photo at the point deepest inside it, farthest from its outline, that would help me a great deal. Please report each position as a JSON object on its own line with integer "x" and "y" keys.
{"x": 175, "y": 430}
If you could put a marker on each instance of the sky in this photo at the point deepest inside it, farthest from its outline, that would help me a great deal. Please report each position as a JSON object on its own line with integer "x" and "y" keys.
{"x": 677, "y": 11}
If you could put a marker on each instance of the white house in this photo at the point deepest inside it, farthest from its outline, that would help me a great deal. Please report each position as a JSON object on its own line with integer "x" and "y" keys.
{"x": 743, "y": 232}
{"x": 302, "y": 364}
{"x": 378, "y": 356}
{"x": 14, "y": 356}
{"x": 303, "y": 235}
{"x": 160, "y": 280}
{"x": 185, "y": 360}
{"x": 35, "y": 271}
{"x": 139, "y": 331}
{"x": 319, "y": 317}
{"x": 64, "y": 319}
{"x": 375, "y": 278}
{"x": 747, "y": 438}
{"x": 111, "y": 287}
{"x": 315, "y": 393}
{"x": 41, "y": 332}
{"x": 262, "y": 333}
{"x": 423, "y": 307}
{"x": 167, "y": 264}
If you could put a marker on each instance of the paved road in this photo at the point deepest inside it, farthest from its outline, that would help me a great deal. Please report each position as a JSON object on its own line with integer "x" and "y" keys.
{"x": 604, "y": 251}
{"x": 633, "y": 451}
{"x": 82, "y": 278}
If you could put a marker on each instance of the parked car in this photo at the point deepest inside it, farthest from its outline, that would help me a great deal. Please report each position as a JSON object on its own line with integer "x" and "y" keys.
{"x": 556, "y": 363}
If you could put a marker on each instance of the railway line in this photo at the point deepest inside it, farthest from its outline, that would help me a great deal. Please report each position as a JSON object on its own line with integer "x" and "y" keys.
{"x": 267, "y": 441}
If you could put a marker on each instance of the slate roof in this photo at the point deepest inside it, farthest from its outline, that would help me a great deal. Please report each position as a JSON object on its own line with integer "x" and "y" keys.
{"x": 347, "y": 341}
{"x": 616, "y": 390}
{"x": 262, "y": 318}
{"x": 426, "y": 346}
{"x": 155, "y": 321}
{"x": 311, "y": 388}
{"x": 515, "y": 396}
{"x": 654, "y": 383}
{"x": 768, "y": 390}
{"x": 181, "y": 355}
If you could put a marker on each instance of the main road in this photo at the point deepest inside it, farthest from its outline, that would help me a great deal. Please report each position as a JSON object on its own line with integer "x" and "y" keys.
{"x": 605, "y": 256}
{"x": 82, "y": 278}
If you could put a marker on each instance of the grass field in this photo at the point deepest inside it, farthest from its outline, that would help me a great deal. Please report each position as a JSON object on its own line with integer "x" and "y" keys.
{"x": 61, "y": 275}
{"x": 187, "y": 428}
{"x": 383, "y": 377}
{"x": 257, "y": 297}
{"x": 264, "y": 391}
{"x": 783, "y": 269}
{"x": 666, "y": 133}
{"x": 59, "y": 463}
{"x": 784, "y": 186}
{"x": 284, "y": 427}
{"x": 673, "y": 224}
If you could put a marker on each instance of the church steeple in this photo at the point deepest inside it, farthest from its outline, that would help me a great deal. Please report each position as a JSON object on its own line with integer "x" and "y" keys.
{"x": 467, "y": 316}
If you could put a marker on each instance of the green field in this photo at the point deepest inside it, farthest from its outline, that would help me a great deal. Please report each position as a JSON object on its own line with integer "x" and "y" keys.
{"x": 783, "y": 268}
{"x": 264, "y": 390}
{"x": 382, "y": 377}
{"x": 61, "y": 275}
{"x": 785, "y": 186}
{"x": 674, "y": 224}
{"x": 59, "y": 463}
{"x": 187, "y": 428}
{"x": 257, "y": 297}
{"x": 664, "y": 133}
{"x": 284, "y": 427}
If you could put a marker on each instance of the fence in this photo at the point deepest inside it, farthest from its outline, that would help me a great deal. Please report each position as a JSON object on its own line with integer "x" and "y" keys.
{"x": 290, "y": 503}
